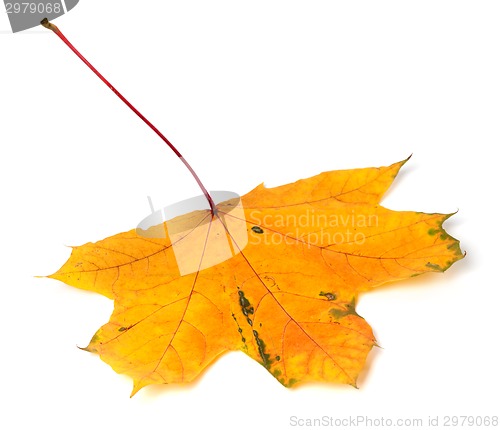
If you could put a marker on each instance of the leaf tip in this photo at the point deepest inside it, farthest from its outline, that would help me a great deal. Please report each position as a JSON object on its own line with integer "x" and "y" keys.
{"x": 400, "y": 164}
{"x": 406, "y": 159}
{"x": 86, "y": 348}
{"x": 449, "y": 215}
{"x": 138, "y": 385}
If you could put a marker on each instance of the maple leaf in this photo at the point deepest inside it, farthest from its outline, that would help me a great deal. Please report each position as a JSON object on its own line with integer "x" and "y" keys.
{"x": 284, "y": 294}
{"x": 275, "y": 274}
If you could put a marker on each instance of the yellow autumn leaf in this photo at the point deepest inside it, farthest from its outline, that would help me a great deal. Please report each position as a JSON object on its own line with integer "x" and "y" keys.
{"x": 275, "y": 274}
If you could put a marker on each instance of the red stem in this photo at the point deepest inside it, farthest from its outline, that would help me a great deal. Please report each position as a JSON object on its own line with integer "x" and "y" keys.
{"x": 56, "y": 30}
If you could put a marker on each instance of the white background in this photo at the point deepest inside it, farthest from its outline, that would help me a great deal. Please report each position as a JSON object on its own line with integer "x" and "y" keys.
{"x": 249, "y": 91}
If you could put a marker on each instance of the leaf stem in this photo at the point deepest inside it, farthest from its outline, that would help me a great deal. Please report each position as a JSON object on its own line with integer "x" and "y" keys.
{"x": 45, "y": 22}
